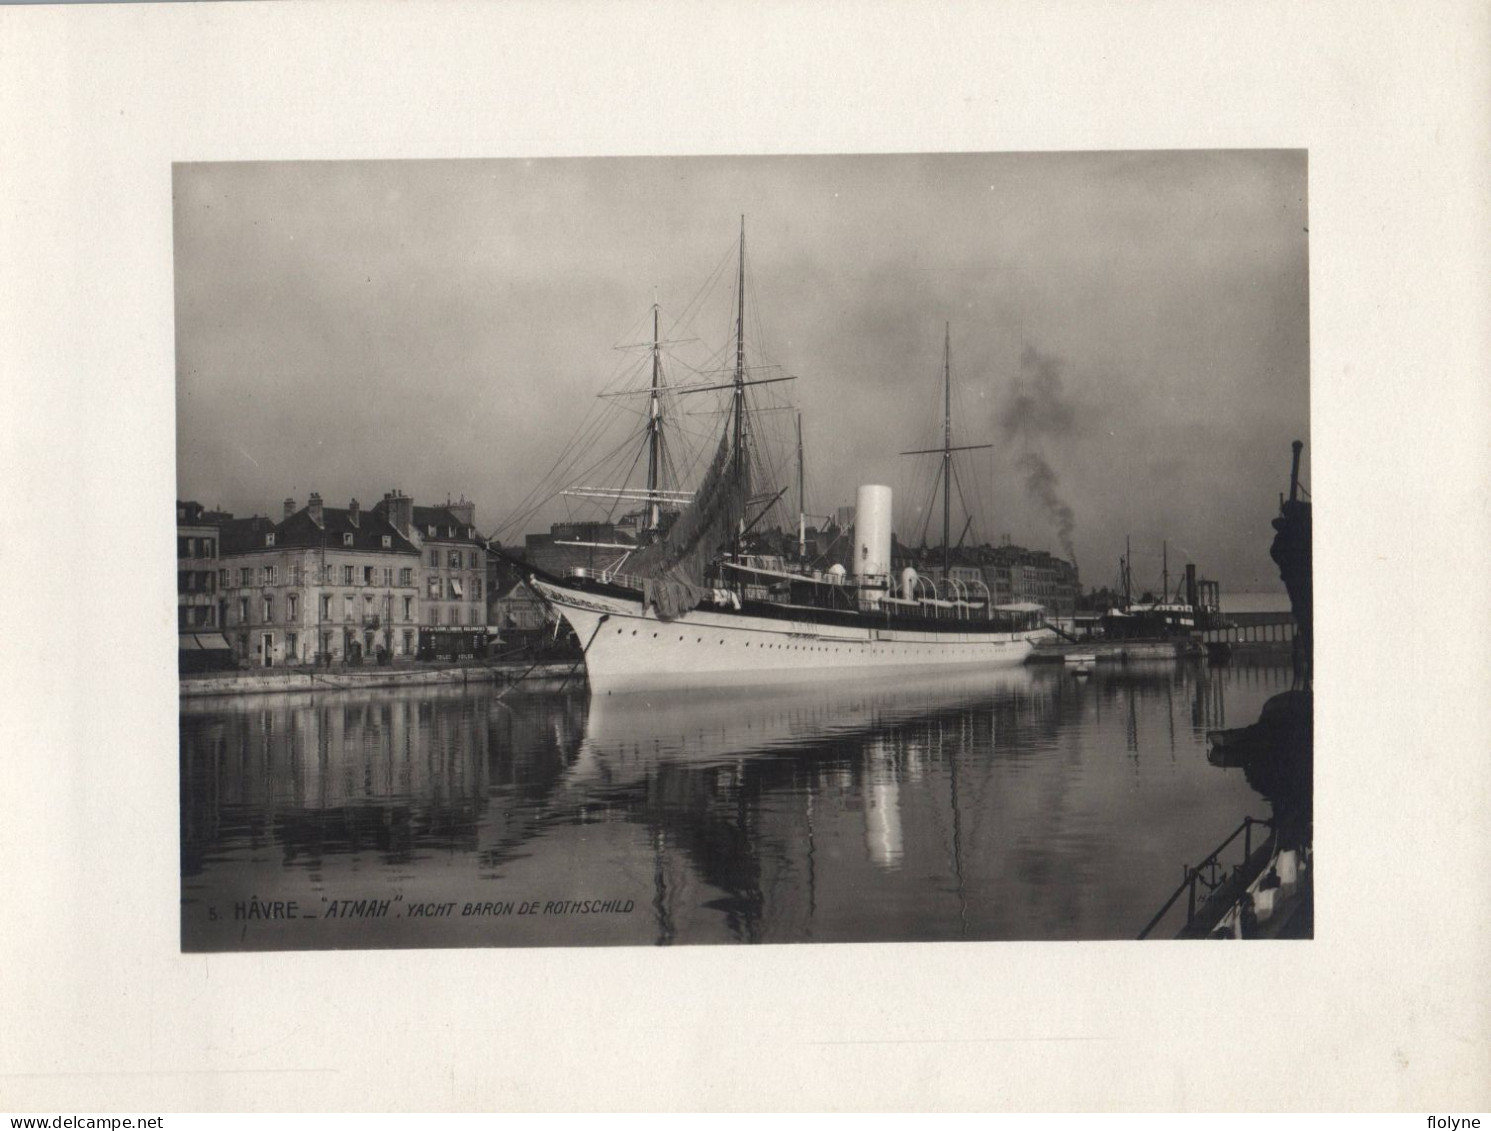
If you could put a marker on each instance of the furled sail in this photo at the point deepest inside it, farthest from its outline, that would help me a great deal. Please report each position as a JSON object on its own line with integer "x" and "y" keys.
{"x": 672, "y": 568}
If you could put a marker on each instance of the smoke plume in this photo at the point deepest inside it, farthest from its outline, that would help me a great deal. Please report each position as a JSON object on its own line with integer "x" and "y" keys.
{"x": 1042, "y": 482}
{"x": 1037, "y": 410}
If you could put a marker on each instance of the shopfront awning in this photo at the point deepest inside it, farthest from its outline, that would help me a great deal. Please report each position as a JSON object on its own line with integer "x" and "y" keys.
{"x": 202, "y": 642}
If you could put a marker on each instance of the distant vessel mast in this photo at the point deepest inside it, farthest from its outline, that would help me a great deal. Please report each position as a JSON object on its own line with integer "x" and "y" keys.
{"x": 947, "y": 449}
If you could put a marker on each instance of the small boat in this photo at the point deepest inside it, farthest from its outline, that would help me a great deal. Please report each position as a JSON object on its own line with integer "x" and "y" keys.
{"x": 1080, "y": 663}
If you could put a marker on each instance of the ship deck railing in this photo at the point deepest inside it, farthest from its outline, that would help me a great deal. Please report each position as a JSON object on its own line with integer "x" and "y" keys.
{"x": 1214, "y": 883}
{"x": 933, "y": 608}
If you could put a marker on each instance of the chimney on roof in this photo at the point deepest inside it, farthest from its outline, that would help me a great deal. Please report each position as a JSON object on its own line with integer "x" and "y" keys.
{"x": 289, "y": 506}
{"x": 313, "y": 504}
{"x": 353, "y": 512}
{"x": 465, "y": 512}
{"x": 399, "y": 508}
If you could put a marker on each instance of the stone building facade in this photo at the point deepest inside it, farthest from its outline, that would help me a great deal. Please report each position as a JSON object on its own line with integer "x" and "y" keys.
{"x": 453, "y": 560}
{"x": 197, "y": 542}
{"x": 325, "y": 584}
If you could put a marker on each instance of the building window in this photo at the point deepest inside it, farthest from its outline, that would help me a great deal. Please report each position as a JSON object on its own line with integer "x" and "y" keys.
{"x": 408, "y": 608}
{"x": 268, "y": 609}
{"x": 388, "y": 576}
{"x": 434, "y": 614}
{"x": 222, "y": 578}
{"x": 347, "y": 538}
{"x": 387, "y": 542}
{"x": 269, "y": 539}
{"x": 245, "y": 576}
{"x": 346, "y": 575}
{"x": 367, "y": 575}
{"x": 292, "y": 642}
{"x": 432, "y": 534}
{"x": 476, "y": 589}
{"x": 455, "y": 589}
{"x": 347, "y": 607}
{"x": 434, "y": 588}
{"x": 455, "y": 559}
{"x": 434, "y": 554}
{"x": 209, "y": 547}
{"x": 243, "y": 603}
{"x": 271, "y": 575}
{"x": 292, "y": 607}
{"x": 406, "y": 577}
{"x": 295, "y": 575}
{"x": 326, "y": 606}
{"x": 408, "y": 641}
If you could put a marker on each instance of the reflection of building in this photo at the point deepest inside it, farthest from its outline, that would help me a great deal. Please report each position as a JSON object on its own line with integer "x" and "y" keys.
{"x": 325, "y": 583}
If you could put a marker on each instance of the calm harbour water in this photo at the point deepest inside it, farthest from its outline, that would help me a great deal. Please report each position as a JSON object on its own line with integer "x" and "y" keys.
{"x": 1029, "y": 804}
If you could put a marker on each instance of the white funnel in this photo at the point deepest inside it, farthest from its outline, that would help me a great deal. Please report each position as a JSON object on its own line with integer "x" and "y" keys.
{"x": 872, "y": 532}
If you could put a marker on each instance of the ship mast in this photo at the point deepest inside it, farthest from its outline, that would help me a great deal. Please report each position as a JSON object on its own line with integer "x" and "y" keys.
{"x": 739, "y": 406}
{"x": 947, "y": 449}
{"x": 947, "y": 446}
{"x": 802, "y": 506}
{"x": 654, "y": 428}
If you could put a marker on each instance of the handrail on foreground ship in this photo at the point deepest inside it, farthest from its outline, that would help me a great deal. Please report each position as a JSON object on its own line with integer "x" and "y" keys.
{"x": 1206, "y": 875}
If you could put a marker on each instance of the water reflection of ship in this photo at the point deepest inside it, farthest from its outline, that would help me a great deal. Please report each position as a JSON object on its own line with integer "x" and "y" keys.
{"x": 732, "y": 805}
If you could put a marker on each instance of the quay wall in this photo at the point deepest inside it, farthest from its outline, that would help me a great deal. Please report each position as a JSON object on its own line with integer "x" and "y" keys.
{"x": 272, "y": 681}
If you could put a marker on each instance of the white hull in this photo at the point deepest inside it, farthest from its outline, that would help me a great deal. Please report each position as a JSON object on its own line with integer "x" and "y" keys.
{"x": 628, "y": 648}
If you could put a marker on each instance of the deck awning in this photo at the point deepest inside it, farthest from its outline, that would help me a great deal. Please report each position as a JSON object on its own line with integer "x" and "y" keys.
{"x": 202, "y": 642}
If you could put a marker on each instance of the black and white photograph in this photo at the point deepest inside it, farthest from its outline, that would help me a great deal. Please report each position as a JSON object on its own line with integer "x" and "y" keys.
{"x": 744, "y": 557}
{"x": 744, "y": 550}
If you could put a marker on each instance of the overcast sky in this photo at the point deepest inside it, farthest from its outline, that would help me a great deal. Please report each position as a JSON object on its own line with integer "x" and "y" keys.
{"x": 1129, "y": 330}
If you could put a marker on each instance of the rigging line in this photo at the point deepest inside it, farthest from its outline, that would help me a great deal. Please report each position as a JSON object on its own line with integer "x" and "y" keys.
{"x": 611, "y": 511}
{"x": 708, "y": 285}
{"x": 968, "y": 514}
{"x": 563, "y": 468}
{"x": 569, "y": 475}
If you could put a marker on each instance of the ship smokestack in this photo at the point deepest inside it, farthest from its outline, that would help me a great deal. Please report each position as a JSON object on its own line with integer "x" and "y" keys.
{"x": 872, "y": 521}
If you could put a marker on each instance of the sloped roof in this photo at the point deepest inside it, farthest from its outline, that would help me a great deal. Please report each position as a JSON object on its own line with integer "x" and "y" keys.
{"x": 443, "y": 521}
{"x": 244, "y": 535}
{"x": 239, "y": 535}
{"x": 336, "y": 522}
